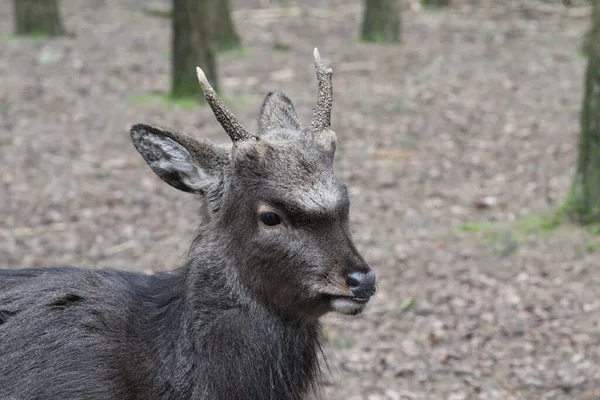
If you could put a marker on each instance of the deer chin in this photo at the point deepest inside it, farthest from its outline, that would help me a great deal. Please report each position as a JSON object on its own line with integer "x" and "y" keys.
{"x": 348, "y": 305}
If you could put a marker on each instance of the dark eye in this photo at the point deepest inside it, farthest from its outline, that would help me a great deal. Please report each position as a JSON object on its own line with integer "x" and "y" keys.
{"x": 270, "y": 218}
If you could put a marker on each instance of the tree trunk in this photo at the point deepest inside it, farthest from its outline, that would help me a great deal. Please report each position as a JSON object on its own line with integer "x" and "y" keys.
{"x": 435, "y": 3}
{"x": 38, "y": 17}
{"x": 381, "y": 21}
{"x": 588, "y": 38}
{"x": 193, "y": 45}
{"x": 583, "y": 203}
{"x": 227, "y": 37}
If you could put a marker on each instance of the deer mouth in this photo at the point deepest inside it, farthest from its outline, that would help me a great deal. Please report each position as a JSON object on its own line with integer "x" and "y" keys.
{"x": 348, "y": 305}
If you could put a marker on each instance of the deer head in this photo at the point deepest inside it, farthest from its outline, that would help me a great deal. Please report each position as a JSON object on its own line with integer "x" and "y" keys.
{"x": 274, "y": 201}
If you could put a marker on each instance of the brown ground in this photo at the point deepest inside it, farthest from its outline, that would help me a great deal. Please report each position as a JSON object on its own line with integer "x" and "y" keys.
{"x": 479, "y": 104}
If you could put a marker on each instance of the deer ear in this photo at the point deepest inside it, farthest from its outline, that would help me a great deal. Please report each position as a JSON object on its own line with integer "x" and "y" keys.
{"x": 180, "y": 160}
{"x": 277, "y": 112}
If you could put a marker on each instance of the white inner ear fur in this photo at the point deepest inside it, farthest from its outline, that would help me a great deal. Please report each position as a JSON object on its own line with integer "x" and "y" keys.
{"x": 179, "y": 159}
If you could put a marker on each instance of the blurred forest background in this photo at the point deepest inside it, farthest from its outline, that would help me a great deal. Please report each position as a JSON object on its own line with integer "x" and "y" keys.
{"x": 468, "y": 131}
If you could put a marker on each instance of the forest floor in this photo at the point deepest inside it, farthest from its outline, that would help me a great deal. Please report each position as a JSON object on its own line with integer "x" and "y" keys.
{"x": 455, "y": 143}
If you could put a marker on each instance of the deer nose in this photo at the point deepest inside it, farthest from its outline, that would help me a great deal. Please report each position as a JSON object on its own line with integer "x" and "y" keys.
{"x": 362, "y": 285}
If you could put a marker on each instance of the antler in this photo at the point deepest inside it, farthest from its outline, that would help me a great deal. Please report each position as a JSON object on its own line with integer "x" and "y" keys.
{"x": 322, "y": 113}
{"x": 228, "y": 121}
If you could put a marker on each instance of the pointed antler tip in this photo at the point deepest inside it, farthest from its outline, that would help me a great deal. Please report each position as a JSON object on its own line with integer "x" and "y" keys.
{"x": 228, "y": 121}
{"x": 317, "y": 57}
{"x": 319, "y": 63}
{"x": 201, "y": 77}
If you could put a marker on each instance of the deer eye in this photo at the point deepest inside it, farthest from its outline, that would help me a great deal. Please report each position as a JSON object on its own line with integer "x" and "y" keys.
{"x": 270, "y": 218}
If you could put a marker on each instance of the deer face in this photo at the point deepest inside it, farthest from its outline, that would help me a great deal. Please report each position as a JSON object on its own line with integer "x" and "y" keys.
{"x": 275, "y": 199}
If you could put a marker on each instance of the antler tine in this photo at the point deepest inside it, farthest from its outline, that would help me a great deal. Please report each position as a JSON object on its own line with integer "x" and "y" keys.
{"x": 228, "y": 121}
{"x": 322, "y": 113}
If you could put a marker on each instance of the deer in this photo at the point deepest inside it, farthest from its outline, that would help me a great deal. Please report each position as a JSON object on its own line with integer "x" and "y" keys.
{"x": 241, "y": 319}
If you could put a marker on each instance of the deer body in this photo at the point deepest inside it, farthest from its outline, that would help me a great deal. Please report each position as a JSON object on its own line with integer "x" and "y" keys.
{"x": 80, "y": 342}
{"x": 241, "y": 319}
